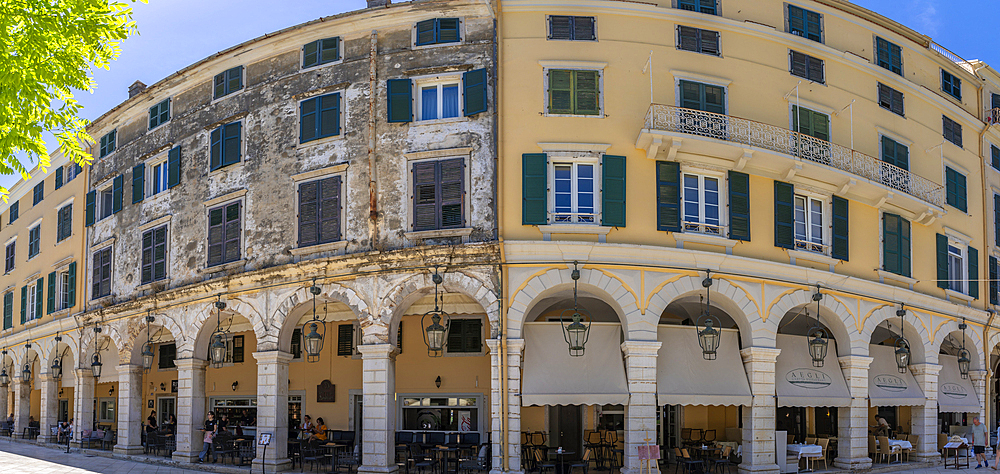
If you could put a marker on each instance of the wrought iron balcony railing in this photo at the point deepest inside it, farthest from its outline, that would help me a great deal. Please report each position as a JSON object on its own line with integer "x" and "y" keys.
{"x": 993, "y": 116}
{"x": 760, "y": 135}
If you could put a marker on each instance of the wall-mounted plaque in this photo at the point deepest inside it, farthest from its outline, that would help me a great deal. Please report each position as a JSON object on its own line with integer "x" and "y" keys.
{"x": 326, "y": 392}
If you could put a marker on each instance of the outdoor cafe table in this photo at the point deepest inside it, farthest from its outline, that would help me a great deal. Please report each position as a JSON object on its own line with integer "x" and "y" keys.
{"x": 805, "y": 451}
{"x": 333, "y": 449}
{"x": 445, "y": 453}
{"x": 957, "y": 446}
{"x": 705, "y": 452}
{"x": 561, "y": 460}
{"x": 902, "y": 444}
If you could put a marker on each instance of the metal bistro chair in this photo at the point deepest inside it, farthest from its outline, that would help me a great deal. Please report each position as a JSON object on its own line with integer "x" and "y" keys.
{"x": 420, "y": 459}
{"x": 684, "y": 459}
{"x": 723, "y": 462}
{"x": 479, "y": 463}
{"x": 542, "y": 465}
{"x": 350, "y": 460}
{"x": 914, "y": 440}
{"x": 584, "y": 462}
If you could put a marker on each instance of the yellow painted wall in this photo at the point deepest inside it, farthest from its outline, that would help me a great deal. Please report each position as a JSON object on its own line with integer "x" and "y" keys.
{"x": 716, "y": 418}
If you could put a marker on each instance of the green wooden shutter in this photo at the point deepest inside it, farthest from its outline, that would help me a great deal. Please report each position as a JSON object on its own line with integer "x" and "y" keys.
{"x": 71, "y": 284}
{"x": 474, "y": 83}
{"x": 973, "y": 273}
{"x": 215, "y": 149}
{"x": 345, "y": 340}
{"x": 586, "y": 95}
{"x": 613, "y": 191}
{"x": 39, "y": 297}
{"x": 447, "y": 30}
{"x": 426, "y": 32}
{"x": 784, "y": 215}
{"x": 307, "y": 119}
{"x": 24, "y": 304}
{"x": 174, "y": 167}
{"x": 942, "y": 261}
{"x": 400, "y": 100}
{"x": 91, "y": 203}
{"x": 59, "y": 177}
{"x": 668, "y": 196}
{"x": 138, "y": 182}
{"x": 232, "y": 134}
{"x": 8, "y": 310}
{"x": 310, "y": 54}
{"x": 534, "y": 189}
{"x": 841, "y": 224}
{"x": 996, "y": 219}
{"x": 993, "y": 281}
{"x": 117, "y": 193}
{"x": 560, "y": 91}
{"x": 739, "y": 206}
{"x": 51, "y": 300}
{"x": 329, "y": 115}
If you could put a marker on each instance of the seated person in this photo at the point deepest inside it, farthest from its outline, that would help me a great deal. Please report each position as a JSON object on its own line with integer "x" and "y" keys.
{"x": 318, "y": 431}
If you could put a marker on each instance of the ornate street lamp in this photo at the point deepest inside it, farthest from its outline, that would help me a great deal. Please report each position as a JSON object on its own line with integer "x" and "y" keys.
{"x": 577, "y": 333}
{"x": 902, "y": 345}
{"x": 218, "y": 351}
{"x": 436, "y": 334}
{"x": 96, "y": 365}
{"x": 709, "y": 338}
{"x": 819, "y": 343}
{"x": 56, "y": 370}
{"x": 313, "y": 340}
{"x": 147, "y": 348}
{"x": 4, "y": 377}
{"x": 963, "y": 355}
{"x": 26, "y": 371}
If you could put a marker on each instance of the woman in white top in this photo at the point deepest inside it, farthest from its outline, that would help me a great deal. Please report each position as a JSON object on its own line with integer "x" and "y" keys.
{"x": 307, "y": 427}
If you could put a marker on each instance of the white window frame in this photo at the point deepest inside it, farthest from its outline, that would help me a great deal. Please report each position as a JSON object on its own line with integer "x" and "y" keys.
{"x": 102, "y": 408}
{"x": 962, "y": 253}
{"x": 480, "y": 408}
{"x": 417, "y": 157}
{"x": 822, "y": 23}
{"x": 437, "y": 81}
{"x": 701, "y": 227}
{"x": 548, "y": 28}
{"x": 574, "y": 160}
{"x": 62, "y": 290}
{"x": 579, "y": 66}
{"x": 151, "y": 164}
{"x": 32, "y": 301}
{"x": 11, "y": 241}
{"x": 99, "y": 207}
{"x": 35, "y": 225}
{"x": 823, "y": 247}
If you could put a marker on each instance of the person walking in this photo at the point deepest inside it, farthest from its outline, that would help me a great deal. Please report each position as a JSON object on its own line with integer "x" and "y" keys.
{"x": 997, "y": 448}
{"x": 210, "y": 430}
{"x": 980, "y": 438}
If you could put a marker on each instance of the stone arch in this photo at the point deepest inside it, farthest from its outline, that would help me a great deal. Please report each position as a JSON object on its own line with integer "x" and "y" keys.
{"x": 49, "y": 348}
{"x": 196, "y": 342}
{"x": 596, "y": 282}
{"x": 731, "y": 298}
{"x": 975, "y": 348}
{"x": 88, "y": 339}
{"x": 282, "y": 326}
{"x": 132, "y": 351}
{"x": 381, "y": 329}
{"x": 915, "y": 329}
{"x": 833, "y": 314}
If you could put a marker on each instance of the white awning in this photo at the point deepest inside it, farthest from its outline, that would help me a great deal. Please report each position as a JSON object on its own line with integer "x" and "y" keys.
{"x": 886, "y": 386}
{"x": 799, "y": 384}
{"x": 684, "y": 377}
{"x": 552, "y": 377}
{"x": 955, "y": 394}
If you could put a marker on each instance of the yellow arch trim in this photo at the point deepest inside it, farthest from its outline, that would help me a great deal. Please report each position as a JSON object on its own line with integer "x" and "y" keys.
{"x": 638, "y": 301}
{"x": 745, "y": 292}
{"x": 848, "y": 309}
{"x": 870, "y": 313}
{"x": 660, "y": 287}
{"x": 775, "y": 301}
{"x": 525, "y": 283}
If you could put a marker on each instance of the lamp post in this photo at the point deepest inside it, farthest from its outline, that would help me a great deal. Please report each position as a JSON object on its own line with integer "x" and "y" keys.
{"x": 56, "y": 370}
{"x": 819, "y": 343}
{"x": 709, "y": 338}
{"x": 4, "y": 376}
{"x": 313, "y": 340}
{"x": 435, "y": 334}
{"x": 576, "y": 334}
{"x": 96, "y": 365}
{"x": 902, "y": 345}
{"x": 26, "y": 371}
{"x": 147, "y": 348}
{"x": 218, "y": 351}
{"x": 964, "y": 357}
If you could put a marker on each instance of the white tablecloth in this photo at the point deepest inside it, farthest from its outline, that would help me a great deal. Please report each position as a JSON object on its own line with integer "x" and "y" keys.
{"x": 737, "y": 449}
{"x": 802, "y": 450}
{"x": 901, "y": 444}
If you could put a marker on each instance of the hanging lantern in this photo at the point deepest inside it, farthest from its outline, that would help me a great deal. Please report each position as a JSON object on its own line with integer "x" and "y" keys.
{"x": 902, "y": 345}
{"x": 26, "y": 373}
{"x": 147, "y": 348}
{"x": 964, "y": 357}
{"x": 219, "y": 350}
{"x": 99, "y": 345}
{"x": 96, "y": 366}
{"x": 4, "y": 378}
{"x": 709, "y": 338}
{"x": 314, "y": 339}
{"x": 576, "y": 334}
{"x": 56, "y": 370}
{"x": 818, "y": 339}
{"x": 436, "y": 334}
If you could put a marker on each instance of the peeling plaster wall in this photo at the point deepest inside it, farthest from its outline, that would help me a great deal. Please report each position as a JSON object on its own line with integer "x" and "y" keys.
{"x": 268, "y": 108}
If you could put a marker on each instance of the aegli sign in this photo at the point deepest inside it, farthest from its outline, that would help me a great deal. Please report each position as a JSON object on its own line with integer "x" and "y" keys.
{"x": 954, "y": 390}
{"x": 808, "y": 378}
{"x": 890, "y": 383}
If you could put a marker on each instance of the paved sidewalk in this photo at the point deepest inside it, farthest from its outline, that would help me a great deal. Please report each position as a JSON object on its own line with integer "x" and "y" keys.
{"x": 17, "y": 457}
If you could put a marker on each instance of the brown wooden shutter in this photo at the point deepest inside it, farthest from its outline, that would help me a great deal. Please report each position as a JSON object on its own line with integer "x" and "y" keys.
{"x": 329, "y": 214}
{"x": 452, "y": 193}
{"x": 798, "y": 64}
{"x": 583, "y": 28}
{"x": 424, "y": 195}
{"x": 816, "y": 70}
{"x": 308, "y": 210}
{"x": 216, "y": 235}
{"x": 687, "y": 38}
{"x": 232, "y": 244}
{"x": 710, "y": 42}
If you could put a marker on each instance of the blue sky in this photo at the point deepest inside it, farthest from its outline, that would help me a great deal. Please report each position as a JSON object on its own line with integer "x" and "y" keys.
{"x": 177, "y": 33}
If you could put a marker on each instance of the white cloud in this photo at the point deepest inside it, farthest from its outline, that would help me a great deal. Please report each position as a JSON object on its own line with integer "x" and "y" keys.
{"x": 925, "y": 16}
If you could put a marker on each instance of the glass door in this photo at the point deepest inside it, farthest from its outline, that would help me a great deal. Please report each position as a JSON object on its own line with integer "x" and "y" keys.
{"x": 166, "y": 406}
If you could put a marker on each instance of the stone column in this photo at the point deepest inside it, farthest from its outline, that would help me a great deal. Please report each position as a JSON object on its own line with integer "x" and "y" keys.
{"x": 496, "y": 432}
{"x": 4, "y": 401}
{"x": 379, "y": 413}
{"x": 48, "y": 413}
{"x": 190, "y": 408}
{"x": 22, "y": 405}
{"x": 924, "y": 420}
{"x": 130, "y": 419}
{"x": 852, "y": 421}
{"x": 640, "y": 412}
{"x": 83, "y": 404}
{"x": 272, "y": 410}
{"x": 759, "y": 418}
{"x": 515, "y": 356}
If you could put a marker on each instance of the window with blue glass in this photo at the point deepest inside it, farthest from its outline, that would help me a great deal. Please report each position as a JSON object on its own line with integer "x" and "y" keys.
{"x": 322, "y": 51}
{"x": 227, "y": 82}
{"x": 702, "y": 6}
{"x": 439, "y": 99}
{"x": 438, "y": 31}
{"x": 108, "y": 143}
{"x": 574, "y": 196}
{"x": 319, "y": 117}
{"x": 805, "y": 23}
{"x": 889, "y": 55}
{"x": 951, "y": 85}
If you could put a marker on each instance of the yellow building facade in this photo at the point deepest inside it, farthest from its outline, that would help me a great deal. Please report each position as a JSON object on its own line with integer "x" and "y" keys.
{"x": 778, "y": 168}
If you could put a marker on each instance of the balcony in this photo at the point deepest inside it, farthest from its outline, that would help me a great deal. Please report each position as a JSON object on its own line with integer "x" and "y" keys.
{"x": 785, "y": 154}
{"x": 993, "y": 116}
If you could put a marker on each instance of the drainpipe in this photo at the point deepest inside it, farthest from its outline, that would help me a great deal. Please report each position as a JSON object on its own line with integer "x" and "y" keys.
{"x": 498, "y": 184}
{"x": 985, "y": 257}
{"x": 372, "y": 187}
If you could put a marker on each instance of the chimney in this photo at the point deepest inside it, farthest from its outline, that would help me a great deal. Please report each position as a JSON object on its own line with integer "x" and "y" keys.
{"x": 378, "y": 3}
{"x": 135, "y": 89}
